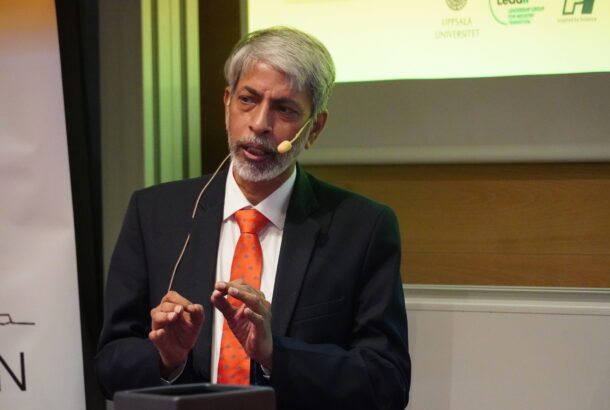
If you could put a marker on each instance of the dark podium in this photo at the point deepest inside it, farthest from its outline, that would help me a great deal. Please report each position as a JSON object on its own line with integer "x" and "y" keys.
{"x": 204, "y": 396}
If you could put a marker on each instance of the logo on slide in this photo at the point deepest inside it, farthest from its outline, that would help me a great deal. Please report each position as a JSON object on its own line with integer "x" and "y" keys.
{"x": 515, "y": 12}
{"x": 456, "y": 4}
{"x": 569, "y": 7}
{"x": 6, "y": 319}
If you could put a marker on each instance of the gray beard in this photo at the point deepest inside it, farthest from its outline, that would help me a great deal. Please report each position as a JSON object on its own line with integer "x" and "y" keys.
{"x": 266, "y": 170}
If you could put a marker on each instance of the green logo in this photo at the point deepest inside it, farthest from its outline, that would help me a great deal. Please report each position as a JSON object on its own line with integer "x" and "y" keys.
{"x": 569, "y": 6}
{"x": 515, "y": 12}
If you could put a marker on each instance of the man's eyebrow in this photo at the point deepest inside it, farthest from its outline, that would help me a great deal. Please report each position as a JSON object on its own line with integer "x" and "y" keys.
{"x": 281, "y": 100}
{"x": 251, "y": 90}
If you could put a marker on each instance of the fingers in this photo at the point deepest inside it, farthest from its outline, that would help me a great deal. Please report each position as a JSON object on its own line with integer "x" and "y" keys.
{"x": 195, "y": 314}
{"x": 257, "y": 319}
{"x": 175, "y": 298}
{"x": 250, "y": 320}
{"x": 184, "y": 325}
{"x": 171, "y": 357}
{"x": 161, "y": 318}
{"x": 156, "y": 335}
{"x": 170, "y": 307}
{"x": 219, "y": 300}
{"x": 160, "y": 339}
{"x": 176, "y": 323}
{"x": 253, "y": 300}
{"x": 239, "y": 290}
{"x": 176, "y": 308}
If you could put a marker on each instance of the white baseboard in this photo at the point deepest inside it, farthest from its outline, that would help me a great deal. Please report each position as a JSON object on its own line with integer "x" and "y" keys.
{"x": 565, "y": 301}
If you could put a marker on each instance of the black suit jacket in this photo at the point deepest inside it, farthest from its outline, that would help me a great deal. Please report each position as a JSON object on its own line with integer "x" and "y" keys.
{"x": 338, "y": 314}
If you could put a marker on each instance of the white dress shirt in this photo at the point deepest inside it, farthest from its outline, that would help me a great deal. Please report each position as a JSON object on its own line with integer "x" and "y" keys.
{"x": 274, "y": 208}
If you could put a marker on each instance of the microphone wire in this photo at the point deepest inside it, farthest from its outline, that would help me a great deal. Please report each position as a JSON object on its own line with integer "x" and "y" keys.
{"x": 188, "y": 237}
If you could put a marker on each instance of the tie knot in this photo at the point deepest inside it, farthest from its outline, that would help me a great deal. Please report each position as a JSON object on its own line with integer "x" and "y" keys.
{"x": 250, "y": 220}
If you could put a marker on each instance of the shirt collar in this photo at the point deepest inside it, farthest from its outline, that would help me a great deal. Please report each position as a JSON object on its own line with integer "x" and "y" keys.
{"x": 274, "y": 207}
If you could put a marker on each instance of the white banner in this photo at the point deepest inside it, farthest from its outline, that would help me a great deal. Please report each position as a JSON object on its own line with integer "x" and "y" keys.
{"x": 40, "y": 340}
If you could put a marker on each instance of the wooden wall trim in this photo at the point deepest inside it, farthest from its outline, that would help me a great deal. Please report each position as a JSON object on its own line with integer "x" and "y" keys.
{"x": 494, "y": 224}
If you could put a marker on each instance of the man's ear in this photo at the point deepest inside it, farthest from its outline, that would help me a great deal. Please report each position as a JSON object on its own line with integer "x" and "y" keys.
{"x": 316, "y": 129}
{"x": 227, "y": 96}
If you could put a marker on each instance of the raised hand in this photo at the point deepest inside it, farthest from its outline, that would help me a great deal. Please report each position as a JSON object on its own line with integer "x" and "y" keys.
{"x": 250, "y": 320}
{"x": 176, "y": 324}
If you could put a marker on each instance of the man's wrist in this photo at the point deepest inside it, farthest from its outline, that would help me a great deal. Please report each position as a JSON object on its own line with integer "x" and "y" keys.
{"x": 169, "y": 375}
{"x": 266, "y": 361}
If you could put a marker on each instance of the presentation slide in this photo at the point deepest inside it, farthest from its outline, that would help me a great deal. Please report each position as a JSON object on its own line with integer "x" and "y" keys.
{"x": 459, "y": 80}
{"x": 374, "y": 40}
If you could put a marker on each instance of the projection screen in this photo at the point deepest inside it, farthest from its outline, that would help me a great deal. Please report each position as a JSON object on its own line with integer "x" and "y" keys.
{"x": 424, "y": 81}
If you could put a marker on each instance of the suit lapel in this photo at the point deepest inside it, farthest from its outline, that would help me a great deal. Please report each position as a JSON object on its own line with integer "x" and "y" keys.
{"x": 299, "y": 238}
{"x": 203, "y": 249}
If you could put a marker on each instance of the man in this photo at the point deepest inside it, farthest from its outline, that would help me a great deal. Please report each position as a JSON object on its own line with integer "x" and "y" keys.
{"x": 327, "y": 328}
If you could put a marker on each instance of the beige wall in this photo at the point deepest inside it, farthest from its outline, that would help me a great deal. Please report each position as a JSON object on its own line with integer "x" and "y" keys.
{"x": 477, "y": 348}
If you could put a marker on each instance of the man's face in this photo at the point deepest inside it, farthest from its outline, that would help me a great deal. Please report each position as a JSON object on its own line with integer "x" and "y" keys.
{"x": 262, "y": 112}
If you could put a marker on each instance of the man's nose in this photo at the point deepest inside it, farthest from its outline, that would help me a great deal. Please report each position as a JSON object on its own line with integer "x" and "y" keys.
{"x": 261, "y": 120}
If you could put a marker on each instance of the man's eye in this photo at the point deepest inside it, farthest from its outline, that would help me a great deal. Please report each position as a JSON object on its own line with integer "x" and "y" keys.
{"x": 245, "y": 99}
{"x": 286, "y": 110}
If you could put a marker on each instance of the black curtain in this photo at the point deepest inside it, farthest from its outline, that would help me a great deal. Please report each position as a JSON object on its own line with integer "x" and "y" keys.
{"x": 77, "y": 22}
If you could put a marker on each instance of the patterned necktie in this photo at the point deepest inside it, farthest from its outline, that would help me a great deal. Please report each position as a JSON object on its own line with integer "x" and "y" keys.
{"x": 234, "y": 363}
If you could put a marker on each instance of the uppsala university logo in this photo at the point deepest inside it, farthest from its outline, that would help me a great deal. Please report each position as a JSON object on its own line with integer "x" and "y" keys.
{"x": 570, "y": 6}
{"x": 456, "y": 4}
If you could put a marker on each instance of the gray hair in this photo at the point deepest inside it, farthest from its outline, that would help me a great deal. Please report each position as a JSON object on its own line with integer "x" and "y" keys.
{"x": 302, "y": 57}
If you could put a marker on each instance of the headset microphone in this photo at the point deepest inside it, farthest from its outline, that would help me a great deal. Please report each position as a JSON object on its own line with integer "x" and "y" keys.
{"x": 286, "y": 146}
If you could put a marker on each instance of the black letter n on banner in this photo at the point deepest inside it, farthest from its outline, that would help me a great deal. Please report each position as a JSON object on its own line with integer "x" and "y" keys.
{"x": 21, "y": 383}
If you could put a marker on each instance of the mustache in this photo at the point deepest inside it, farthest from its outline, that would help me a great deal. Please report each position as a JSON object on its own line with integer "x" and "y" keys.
{"x": 249, "y": 141}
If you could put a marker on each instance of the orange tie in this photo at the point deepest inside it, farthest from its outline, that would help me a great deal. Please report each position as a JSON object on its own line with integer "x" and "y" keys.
{"x": 234, "y": 363}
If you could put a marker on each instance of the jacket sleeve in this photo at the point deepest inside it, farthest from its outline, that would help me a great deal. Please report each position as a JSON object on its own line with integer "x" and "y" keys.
{"x": 126, "y": 358}
{"x": 373, "y": 369}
